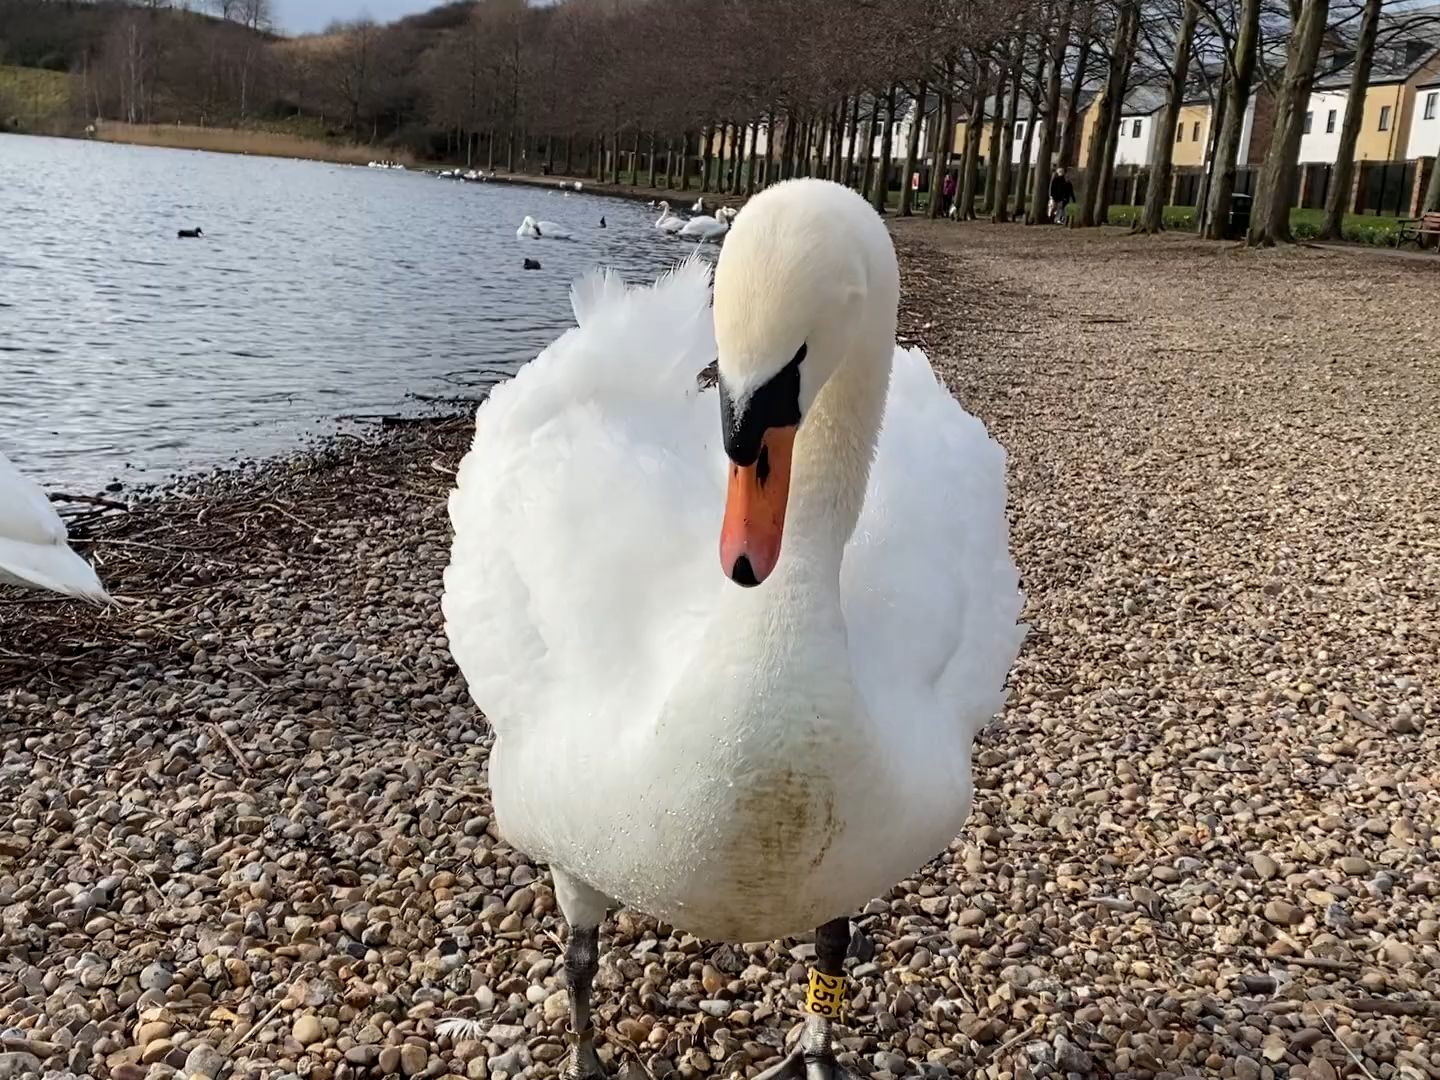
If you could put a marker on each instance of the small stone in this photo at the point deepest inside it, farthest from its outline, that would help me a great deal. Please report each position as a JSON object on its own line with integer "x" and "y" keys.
{"x": 1283, "y": 913}
{"x": 1265, "y": 867}
{"x": 156, "y": 977}
{"x": 390, "y": 1060}
{"x": 363, "y": 1055}
{"x": 308, "y": 1030}
{"x": 1354, "y": 866}
{"x": 413, "y": 1059}
{"x": 712, "y": 980}
{"x": 1246, "y": 1068}
{"x": 203, "y": 1059}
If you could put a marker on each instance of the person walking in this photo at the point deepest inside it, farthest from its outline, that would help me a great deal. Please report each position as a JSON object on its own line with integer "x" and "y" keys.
{"x": 947, "y": 192}
{"x": 1062, "y": 194}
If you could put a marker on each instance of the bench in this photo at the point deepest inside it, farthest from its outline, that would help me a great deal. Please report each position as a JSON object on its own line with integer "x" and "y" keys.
{"x": 1416, "y": 229}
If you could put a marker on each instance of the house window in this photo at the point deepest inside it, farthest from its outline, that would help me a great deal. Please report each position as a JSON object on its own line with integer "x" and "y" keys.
{"x": 1195, "y": 132}
{"x": 1180, "y": 133}
{"x": 1020, "y": 131}
{"x": 1432, "y": 101}
{"x": 1384, "y": 117}
{"x": 1135, "y": 131}
{"x": 1330, "y": 122}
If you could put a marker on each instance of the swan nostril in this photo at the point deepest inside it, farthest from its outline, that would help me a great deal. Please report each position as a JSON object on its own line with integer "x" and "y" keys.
{"x": 743, "y": 573}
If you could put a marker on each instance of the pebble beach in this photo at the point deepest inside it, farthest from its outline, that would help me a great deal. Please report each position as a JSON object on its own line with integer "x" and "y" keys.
{"x": 244, "y": 817}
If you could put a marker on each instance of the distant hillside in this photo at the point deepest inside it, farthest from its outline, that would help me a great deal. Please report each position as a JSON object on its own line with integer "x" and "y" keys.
{"x": 38, "y": 101}
{"x": 63, "y": 35}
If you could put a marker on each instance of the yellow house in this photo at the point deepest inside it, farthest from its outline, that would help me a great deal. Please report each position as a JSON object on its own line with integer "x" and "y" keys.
{"x": 1192, "y": 137}
{"x": 1390, "y": 102}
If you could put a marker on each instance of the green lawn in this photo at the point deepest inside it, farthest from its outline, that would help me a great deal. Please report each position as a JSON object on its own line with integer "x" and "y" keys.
{"x": 1305, "y": 224}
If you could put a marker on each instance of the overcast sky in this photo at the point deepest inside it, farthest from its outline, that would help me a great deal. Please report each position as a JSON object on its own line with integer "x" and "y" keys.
{"x": 304, "y": 16}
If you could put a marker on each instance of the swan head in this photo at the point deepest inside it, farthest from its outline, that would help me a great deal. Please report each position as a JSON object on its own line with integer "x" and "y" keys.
{"x": 802, "y": 284}
{"x": 663, "y": 205}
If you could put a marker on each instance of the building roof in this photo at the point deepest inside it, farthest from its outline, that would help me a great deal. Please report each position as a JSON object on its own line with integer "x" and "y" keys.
{"x": 1394, "y": 63}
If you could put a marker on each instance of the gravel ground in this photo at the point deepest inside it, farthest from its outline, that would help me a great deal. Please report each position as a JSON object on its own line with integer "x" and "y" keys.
{"x": 244, "y": 822}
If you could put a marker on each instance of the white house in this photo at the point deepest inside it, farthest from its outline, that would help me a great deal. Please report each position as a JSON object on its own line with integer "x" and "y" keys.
{"x": 1425, "y": 125}
{"x": 1135, "y": 145}
{"x": 1324, "y": 117}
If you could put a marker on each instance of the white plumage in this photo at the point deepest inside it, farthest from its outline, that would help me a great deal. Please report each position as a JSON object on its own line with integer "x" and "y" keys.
{"x": 668, "y": 221}
{"x": 742, "y": 763}
{"x": 708, "y": 228}
{"x": 541, "y": 230}
{"x": 34, "y": 545}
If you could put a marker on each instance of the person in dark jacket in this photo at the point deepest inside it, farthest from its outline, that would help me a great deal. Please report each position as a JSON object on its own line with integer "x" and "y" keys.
{"x": 1062, "y": 194}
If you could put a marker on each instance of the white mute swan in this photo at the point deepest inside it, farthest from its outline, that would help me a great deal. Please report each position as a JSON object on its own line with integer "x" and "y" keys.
{"x": 742, "y": 763}
{"x": 709, "y": 228}
{"x": 668, "y": 221}
{"x": 34, "y": 546}
{"x": 541, "y": 230}
{"x": 699, "y": 207}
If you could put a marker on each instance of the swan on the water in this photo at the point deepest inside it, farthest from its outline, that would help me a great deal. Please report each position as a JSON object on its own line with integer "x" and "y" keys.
{"x": 668, "y": 221}
{"x": 709, "y": 228}
{"x": 741, "y": 763}
{"x": 35, "y": 545}
{"x": 541, "y": 230}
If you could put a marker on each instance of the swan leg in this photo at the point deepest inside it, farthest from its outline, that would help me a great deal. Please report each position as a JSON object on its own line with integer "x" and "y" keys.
{"x": 814, "y": 1055}
{"x": 582, "y": 961}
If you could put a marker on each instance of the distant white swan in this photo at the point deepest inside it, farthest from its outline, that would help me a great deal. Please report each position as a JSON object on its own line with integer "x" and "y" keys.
{"x": 541, "y": 230}
{"x": 699, "y": 207}
{"x": 709, "y": 229}
{"x": 34, "y": 546}
{"x": 669, "y": 221}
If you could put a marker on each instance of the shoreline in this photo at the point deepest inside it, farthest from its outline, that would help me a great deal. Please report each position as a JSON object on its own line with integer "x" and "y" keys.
{"x": 1202, "y": 829}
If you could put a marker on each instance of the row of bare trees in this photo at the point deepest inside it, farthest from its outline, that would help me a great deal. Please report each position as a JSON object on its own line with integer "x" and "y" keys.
{"x": 739, "y": 93}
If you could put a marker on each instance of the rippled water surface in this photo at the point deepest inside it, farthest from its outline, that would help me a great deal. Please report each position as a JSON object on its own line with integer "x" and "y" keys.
{"x": 319, "y": 291}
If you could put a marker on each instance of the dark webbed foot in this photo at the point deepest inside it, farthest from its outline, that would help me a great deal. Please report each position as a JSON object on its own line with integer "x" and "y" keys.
{"x": 814, "y": 1055}
{"x": 582, "y": 960}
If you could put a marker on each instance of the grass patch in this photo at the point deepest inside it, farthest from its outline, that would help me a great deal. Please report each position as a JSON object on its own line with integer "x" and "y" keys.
{"x": 1373, "y": 229}
{"x": 35, "y": 100}
{"x": 222, "y": 140}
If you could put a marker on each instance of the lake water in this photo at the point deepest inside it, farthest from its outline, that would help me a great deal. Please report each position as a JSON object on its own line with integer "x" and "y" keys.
{"x": 319, "y": 291}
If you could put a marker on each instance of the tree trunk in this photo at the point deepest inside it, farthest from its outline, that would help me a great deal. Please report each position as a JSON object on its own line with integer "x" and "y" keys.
{"x": 868, "y": 169}
{"x": 1070, "y": 133}
{"x": 992, "y": 163}
{"x": 1051, "y": 134}
{"x": 1212, "y": 143}
{"x": 1004, "y": 132}
{"x": 1100, "y": 158}
{"x": 837, "y": 145}
{"x": 1237, "y": 97}
{"x": 754, "y": 158}
{"x": 1022, "y": 188}
{"x": 847, "y": 178}
{"x": 1270, "y": 223}
{"x": 1337, "y": 199}
{"x": 1432, "y": 192}
{"x": 707, "y": 137}
{"x": 684, "y": 162}
{"x": 1152, "y": 218}
{"x": 881, "y": 190}
{"x": 912, "y": 153}
{"x": 973, "y": 130}
{"x": 940, "y": 159}
{"x": 651, "y": 178}
{"x": 1112, "y": 137}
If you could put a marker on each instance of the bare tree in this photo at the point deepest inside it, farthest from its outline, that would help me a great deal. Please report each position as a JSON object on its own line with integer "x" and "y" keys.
{"x": 1270, "y": 223}
{"x": 1152, "y": 219}
{"x": 1337, "y": 199}
{"x": 1059, "y": 45}
{"x": 1239, "y": 73}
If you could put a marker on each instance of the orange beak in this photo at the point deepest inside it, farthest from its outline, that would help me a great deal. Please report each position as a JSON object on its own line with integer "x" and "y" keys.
{"x": 755, "y": 510}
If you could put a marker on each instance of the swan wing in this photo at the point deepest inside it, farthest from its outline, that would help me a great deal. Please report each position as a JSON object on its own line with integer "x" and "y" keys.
{"x": 931, "y": 595}
{"x": 586, "y": 514}
{"x": 34, "y": 544}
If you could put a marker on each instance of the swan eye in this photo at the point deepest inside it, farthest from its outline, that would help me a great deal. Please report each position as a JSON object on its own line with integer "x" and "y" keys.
{"x": 774, "y": 404}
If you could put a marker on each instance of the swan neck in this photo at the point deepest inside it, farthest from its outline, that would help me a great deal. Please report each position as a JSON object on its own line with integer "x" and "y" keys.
{"x": 830, "y": 470}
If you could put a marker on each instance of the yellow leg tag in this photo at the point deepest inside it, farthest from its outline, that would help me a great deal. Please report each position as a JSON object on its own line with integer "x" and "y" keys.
{"x": 826, "y": 995}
